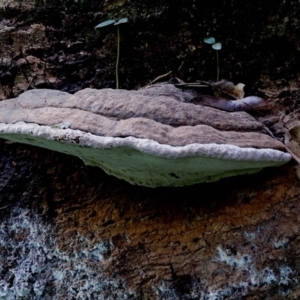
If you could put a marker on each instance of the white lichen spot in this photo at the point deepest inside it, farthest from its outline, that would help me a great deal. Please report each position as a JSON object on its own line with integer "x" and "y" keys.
{"x": 34, "y": 267}
{"x": 280, "y": 243}
{"x": 237, "y": 261}
{"x": 285, "y": 273}
{"x": 250, "y": 236}
{"x": 239, "y": 264}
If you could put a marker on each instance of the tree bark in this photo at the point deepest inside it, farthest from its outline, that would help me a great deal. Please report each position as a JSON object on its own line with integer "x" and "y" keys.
{"x": 70, "y": 231}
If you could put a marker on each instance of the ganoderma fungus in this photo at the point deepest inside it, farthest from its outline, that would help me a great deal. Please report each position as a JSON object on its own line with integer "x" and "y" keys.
{"x": 149, "y": 137}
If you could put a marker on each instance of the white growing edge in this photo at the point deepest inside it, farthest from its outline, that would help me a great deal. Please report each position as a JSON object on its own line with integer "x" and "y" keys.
{"x": 144, "y": 161}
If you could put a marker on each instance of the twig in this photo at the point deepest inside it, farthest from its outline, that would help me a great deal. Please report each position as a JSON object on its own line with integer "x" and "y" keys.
{"x": 295, "y": 157}
{"x": 161, "y": 76}
{"x": 156, "y": 79}
{"x": 30, "y": 82}
{"x": 118, "y": 57}
{"x": 192, "y": 84}
{"x": 180, "y": 66}
{"x": 1, "y": 208}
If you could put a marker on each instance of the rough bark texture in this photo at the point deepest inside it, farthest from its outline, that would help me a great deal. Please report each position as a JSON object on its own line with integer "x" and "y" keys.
{"x": 70, "y": 231}
{"x": 236, "y": 239}
{"x": 54, "y": 44}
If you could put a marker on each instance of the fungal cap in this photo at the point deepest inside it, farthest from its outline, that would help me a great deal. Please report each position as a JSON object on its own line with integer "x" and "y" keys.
{"x": 146, "y": 162}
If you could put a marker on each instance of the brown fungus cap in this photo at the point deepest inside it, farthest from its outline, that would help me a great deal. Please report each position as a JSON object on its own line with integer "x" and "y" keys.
{"x": 151, "y": 137}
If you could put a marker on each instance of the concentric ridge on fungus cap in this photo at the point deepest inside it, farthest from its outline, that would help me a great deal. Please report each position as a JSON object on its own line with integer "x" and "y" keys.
{"x": 148, "y": 137}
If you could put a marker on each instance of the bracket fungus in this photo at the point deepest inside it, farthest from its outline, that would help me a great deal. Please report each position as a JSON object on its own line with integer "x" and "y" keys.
{"x": 151, "y": 137}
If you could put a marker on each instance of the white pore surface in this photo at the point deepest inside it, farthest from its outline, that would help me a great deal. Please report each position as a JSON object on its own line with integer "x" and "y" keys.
{"x": 146, "y": 162}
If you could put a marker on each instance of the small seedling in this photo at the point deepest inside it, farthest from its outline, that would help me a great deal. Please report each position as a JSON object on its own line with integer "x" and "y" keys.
{"x": 216, "y": 46}
{"x": 115, "y": 23}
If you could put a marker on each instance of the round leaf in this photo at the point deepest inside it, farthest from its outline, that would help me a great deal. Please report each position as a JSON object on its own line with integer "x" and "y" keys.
{"x": 121, "y": 21}
{"x": 105, "y": 23}
{"x": 217, "y": 46}
{"x": 209, "y": 40}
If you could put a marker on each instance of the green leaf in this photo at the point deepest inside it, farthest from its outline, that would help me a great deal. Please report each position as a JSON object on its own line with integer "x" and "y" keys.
{"x": 209, "y": 40}
{"x": 105, "y": 23}
{"x": 121, "y": 21}
{"x": 217, "y": 46}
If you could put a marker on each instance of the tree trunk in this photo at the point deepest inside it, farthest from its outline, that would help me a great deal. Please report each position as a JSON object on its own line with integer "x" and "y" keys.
{"x": 69, "y": 231}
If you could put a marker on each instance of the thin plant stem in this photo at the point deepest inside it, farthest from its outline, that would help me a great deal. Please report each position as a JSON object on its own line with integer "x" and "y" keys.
{"x": 218, "y": 69}
{"x": 118, "y": 57}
